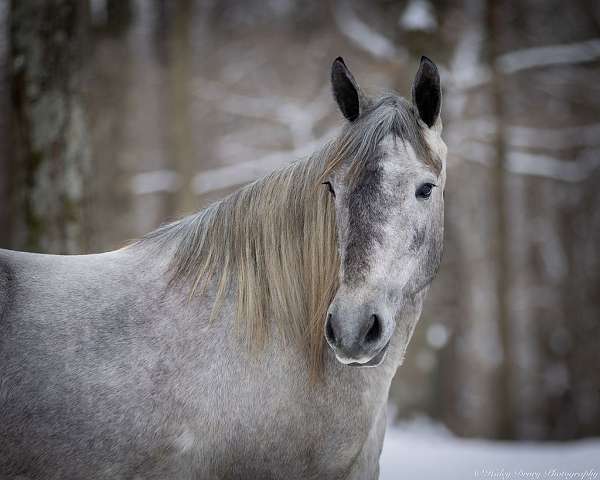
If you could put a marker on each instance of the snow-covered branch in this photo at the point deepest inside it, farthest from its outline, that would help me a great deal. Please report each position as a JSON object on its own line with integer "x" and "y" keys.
{"x": 483, "y": 128}
{"x": 517, "y": 60}
{"x": 155, "y": 182}
{"x": 244, "y": 172}
{"x": 476, "y": 75}
{"x": 238, "y": 174}
{"x": 536, "y": 165}
{"x": 298, "y": 118}
{"x": 555, "y": 138}
{"x": 363, "y": 36}
{"x": 576, "y": 170}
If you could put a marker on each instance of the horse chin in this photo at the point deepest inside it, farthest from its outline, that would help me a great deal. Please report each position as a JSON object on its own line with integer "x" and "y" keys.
{"x": 374, "y": 362}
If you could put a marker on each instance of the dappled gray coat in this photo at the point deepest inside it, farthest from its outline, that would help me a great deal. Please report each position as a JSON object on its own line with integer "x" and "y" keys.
{"x": 235, "y": 343}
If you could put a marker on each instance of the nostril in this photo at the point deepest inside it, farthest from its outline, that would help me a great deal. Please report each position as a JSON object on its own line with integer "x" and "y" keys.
{"x": 374, "y": 331}
{"x": 329, "y": 333}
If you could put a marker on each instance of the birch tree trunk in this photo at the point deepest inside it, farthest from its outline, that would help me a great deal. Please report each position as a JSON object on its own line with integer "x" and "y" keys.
{"x": 50, "y": 138}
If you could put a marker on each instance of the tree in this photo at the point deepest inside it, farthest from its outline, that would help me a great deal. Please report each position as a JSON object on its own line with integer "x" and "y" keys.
{"x": 50, "y": 138}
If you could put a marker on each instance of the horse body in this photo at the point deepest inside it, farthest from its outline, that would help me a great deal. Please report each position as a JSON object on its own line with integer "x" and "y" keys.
{"x": 107, "y": 373}
{"x": 199, "y": 352}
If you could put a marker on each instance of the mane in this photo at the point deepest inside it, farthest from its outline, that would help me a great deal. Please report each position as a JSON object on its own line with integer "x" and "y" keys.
{"x": 273, "y": 243}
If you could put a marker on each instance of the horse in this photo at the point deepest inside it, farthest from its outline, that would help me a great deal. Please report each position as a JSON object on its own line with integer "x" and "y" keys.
{"x": 255, "y": 339}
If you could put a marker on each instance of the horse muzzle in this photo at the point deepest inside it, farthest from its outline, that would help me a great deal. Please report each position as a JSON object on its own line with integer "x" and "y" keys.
{"x": 359, "y": 336}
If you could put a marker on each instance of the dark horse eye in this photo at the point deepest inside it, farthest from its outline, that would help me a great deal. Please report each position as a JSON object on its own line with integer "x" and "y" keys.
{"x": 424, "y": 191}
{"x": 329, "y": 187}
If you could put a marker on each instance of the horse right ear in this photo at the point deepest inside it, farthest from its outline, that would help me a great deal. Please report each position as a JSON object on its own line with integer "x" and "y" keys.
{"x": 346, "y": 91}
{"x": 427, "y": 92}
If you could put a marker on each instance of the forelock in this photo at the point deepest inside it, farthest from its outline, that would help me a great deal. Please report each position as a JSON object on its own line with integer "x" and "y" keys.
{"x": 388, "y": 115}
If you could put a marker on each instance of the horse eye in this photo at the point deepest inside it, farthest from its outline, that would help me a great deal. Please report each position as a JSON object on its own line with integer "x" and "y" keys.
{"x": 330, "y": 188}
{"x": 424, "y": 191}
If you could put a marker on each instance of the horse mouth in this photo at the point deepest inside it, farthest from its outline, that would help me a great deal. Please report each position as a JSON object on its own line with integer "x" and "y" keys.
{"x": 375, "y": 361}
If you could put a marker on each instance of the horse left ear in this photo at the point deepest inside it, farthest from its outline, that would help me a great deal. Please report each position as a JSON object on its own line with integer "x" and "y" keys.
{"x": 427, "y": 92}
{"x": 346, "y": 91}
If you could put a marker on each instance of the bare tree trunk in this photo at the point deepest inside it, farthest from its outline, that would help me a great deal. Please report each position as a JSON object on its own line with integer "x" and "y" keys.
{"x": 476, "y": 354}
{"x": 178, "y": 75}
{"x": 50, "y": 135}
{"x": 502, "y": 259}
{"x": 119, "y": 15}
{"x": 4, "y": 130}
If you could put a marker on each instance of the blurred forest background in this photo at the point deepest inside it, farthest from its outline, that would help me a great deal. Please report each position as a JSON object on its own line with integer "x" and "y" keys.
{"x": 118, "y": 115}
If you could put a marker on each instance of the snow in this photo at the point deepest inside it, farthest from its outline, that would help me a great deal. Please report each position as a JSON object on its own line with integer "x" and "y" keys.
{"x": 155, "y": 182}
{"x": 418, "y": 16}
{"x": 437, "y": 335}
{"x": 422, "y": 450}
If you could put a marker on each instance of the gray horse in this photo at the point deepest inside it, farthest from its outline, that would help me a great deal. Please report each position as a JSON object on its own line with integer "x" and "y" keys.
{"x": 234, "y": 343}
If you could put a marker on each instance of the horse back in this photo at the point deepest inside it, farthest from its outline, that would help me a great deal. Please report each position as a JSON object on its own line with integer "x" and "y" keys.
{"x": 74, "y": 376}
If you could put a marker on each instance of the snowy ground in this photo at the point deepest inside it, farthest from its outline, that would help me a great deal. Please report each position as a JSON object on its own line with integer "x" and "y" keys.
{"x": 422, "y": 451}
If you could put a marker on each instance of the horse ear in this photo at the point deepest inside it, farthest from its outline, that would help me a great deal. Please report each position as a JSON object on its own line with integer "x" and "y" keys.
{"x": 346, "y": 91}
{"x": 427, "y": 92}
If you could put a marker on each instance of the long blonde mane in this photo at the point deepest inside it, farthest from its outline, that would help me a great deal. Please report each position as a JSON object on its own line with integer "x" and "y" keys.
{"x": 273, "y": 245}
